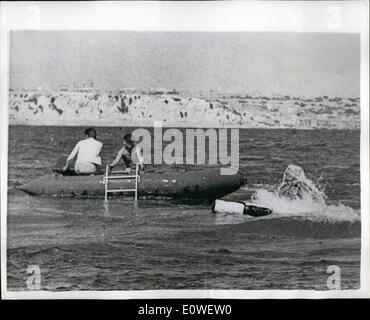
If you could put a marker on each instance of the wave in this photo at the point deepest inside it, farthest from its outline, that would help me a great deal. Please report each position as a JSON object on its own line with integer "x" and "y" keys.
{"x": 292, "y": 228}
{"x": 296, "y": 218}
{"x": 304, "y": 208}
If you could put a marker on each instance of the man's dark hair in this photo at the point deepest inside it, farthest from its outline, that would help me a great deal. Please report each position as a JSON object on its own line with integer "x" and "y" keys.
{"x": 91, "y": 133}
{"x": 128, "y": 138}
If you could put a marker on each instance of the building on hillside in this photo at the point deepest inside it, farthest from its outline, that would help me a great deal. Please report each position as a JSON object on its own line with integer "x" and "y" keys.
{"x": 78, "y": 86}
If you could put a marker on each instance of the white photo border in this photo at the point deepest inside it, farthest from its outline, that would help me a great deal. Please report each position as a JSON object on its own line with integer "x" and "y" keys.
{"x": 211, "y": 16}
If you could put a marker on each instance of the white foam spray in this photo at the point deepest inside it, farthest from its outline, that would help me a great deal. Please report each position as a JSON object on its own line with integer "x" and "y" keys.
{"x": 306, "y": 208}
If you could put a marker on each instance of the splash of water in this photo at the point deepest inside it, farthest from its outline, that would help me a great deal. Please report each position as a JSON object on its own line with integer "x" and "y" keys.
{"x": 307, "y": 207}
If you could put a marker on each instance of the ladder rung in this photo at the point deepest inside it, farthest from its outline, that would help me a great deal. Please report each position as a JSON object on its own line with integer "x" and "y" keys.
{"x": 121, "y": 177}
{"x": 121, "y": 190}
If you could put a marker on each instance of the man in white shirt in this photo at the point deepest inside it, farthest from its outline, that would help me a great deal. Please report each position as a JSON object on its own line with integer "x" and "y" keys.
{"x": 88, "y": 154}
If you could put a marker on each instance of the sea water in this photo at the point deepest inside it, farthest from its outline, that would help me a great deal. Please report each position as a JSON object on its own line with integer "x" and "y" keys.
{"x": 87, "y": 244}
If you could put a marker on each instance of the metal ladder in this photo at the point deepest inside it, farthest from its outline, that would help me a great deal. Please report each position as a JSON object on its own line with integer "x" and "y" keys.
{"x": 108, "y": 177}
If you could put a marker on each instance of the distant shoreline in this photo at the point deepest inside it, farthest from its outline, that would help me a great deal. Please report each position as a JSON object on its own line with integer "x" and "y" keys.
{"x": 180, "y": 110}
{"x": 194, "y": 93}
{"x": 179, "y": 127}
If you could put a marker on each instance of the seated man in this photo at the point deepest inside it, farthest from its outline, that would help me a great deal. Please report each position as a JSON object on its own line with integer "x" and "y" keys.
{"x": 129, "y": 153}
{"x": 88, "y": 154}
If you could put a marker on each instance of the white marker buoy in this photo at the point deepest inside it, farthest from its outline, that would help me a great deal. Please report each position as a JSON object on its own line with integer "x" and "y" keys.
{"x": 222, "y": 206}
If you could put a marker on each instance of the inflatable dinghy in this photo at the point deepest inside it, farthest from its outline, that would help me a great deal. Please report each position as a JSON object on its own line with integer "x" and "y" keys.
{"x": 222, "y": 206}
{"x": 165, "y": 182}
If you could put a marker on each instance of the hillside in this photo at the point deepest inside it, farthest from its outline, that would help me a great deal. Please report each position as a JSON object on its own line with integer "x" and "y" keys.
{"x": 141, "y": 108}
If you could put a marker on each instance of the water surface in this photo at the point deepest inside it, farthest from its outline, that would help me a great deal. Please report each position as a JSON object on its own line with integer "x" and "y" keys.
{"x": 86, "y": 244}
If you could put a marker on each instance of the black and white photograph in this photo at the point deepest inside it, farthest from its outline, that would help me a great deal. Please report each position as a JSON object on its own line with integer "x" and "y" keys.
{"x": 171, "y": 161}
